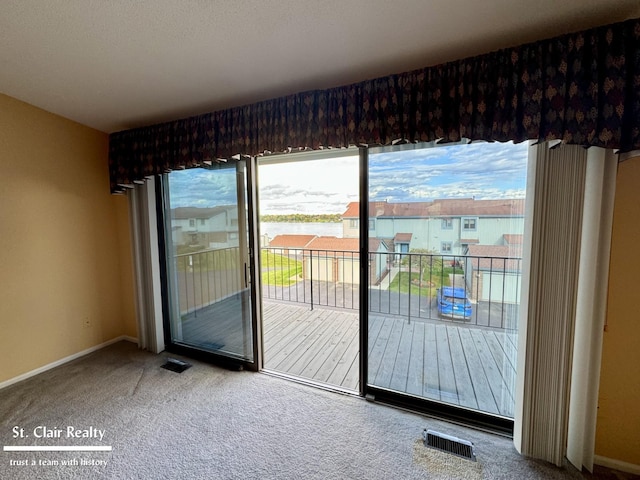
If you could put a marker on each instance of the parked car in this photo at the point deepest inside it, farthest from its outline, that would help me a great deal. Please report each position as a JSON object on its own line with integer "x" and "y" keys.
{"x": 453, "y": 302}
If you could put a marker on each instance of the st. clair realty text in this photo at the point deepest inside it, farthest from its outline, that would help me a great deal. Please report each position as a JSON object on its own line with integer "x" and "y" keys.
{"x": 67, "y": 432}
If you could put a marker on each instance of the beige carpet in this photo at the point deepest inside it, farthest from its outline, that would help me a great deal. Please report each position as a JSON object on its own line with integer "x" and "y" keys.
{"x": 443, "y": 465}
{"x": 211, "y": 423}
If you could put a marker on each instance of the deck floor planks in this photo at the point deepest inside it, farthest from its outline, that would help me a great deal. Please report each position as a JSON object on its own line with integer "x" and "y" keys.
{"x": 481, "y": 387}
{"x": 496, "y": 382}
{"x": 400, "y": 374}
{"x": 375, "y": 324}
{"x": 448, "y": 389}
{"x": 308, "y": 345}
{"x": 431, "y": 372}
{"x": 280, "y": 317}
{"x": 322, "y": 349}
{"x": 507, "y": 371}
{"x": 284, "y": 330}
{"x": 352, "y": 379}
{"x": 350, "y": 332}
{"x": 429, "y": 359}
{"x": 288, "y": 341}
{"x": 415, "y": 376}
{"x": 466, "y": 393}
{"x": 388, "y": 361}
{"x": 338, "y": 374}
{"x": 377, "y": 350}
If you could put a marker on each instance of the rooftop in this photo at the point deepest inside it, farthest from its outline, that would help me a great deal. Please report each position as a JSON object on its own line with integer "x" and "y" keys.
{"x": 455, "y": 207}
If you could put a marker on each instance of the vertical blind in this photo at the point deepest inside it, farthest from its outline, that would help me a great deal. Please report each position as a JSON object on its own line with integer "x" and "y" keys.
{"x": 595, "y": 251}
{"x": 547, "y": 317}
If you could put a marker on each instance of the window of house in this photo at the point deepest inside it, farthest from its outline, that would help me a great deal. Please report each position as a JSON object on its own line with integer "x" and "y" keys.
{"x": 445, "y": 247}
{"x": 372, "y": 224}
{"x": 192, "y": 222}
{"x": 447, "y": 223}
{"x": 468, "y": 223}
{"x": 353, "y": 223}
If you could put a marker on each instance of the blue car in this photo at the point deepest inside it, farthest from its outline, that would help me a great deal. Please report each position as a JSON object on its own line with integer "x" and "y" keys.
{"x": 453, "y": 302}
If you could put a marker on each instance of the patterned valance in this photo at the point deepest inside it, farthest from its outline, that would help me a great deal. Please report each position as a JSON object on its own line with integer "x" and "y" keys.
{"x": 581, "y": 88}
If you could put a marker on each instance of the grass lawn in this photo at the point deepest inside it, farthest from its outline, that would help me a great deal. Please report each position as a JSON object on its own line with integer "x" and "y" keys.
{"x": 279, "y": 270}
{"x": 437, "y": 279}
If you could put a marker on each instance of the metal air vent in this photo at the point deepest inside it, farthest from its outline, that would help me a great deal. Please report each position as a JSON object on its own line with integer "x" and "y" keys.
{"x": 447, "y": 443}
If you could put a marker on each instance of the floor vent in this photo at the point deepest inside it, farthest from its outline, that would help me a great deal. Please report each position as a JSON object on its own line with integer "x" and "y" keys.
{"x": 176, "y": 365}
{"x": 447, "y": 443}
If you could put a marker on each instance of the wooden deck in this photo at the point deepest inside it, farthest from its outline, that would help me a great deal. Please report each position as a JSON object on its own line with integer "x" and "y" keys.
{"x": 463, "y": 365}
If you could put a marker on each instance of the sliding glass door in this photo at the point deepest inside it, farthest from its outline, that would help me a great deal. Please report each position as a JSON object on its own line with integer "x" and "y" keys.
{"x": 310, "y": 266}
{"x": 445, "y": 246}
{"x": 207, "y": 242}
{"x": 414, "y": 294}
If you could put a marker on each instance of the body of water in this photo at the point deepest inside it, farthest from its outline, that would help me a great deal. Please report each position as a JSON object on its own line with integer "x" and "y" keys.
{"x": 271, "y": 229}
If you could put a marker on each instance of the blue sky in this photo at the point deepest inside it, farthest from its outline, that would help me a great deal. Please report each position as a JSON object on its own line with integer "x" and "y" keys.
{"x": 480, "y": 170}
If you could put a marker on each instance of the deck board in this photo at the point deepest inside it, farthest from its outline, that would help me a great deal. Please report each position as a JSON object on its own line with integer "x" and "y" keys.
{"x": 464, "y": 385}
{"x": 377, "y": 351}
{"x": 343, "y": 364}
{"x": 415, "y": 376}
{"x": 400, "y": 374}
{"x": 448, "y": 390}
{"x": 431, "y": 372}
{"x": 481, "y": 388}
{"x": 464, "y": 365}
{"x": 322, "y": 348}
{"x": 388, "y": 361}
{"x": 496, "y": 382}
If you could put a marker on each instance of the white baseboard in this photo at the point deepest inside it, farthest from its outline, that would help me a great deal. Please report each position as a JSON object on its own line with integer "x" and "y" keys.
{"x": 617, "y": 465}
{"x": 64, "y": 360}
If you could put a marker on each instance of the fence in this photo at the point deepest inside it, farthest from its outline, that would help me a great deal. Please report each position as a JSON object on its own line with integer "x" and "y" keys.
{"x": 206, "y": 277}
{"x": 404, "y": 284}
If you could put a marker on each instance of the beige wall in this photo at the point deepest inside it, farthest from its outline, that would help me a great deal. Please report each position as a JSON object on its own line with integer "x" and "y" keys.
{"x": 618, "y": 428}
{"x": 64, "y": 254}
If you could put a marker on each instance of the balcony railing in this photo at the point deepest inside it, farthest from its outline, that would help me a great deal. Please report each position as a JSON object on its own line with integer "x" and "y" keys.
{"x": 404, "y": 284}
{"x": 206, "y": 277}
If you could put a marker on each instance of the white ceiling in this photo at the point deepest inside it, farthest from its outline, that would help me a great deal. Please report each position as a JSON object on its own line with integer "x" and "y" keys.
{"x": 117, "y": 64}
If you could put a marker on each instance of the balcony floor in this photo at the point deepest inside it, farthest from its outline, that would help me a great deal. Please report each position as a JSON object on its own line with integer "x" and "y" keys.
{"x": 469, "y": 366}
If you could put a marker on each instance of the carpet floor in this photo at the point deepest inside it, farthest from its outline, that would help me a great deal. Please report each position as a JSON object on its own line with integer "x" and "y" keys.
{"x": 208, "y": 422}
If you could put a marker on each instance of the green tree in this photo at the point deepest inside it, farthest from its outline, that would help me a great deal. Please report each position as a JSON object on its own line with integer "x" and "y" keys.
{"x": 424, "y": 261}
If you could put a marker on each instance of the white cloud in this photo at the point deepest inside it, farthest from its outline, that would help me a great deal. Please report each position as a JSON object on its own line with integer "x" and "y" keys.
{"x": 308, "y": 186}
{"x": 481, "y": 170}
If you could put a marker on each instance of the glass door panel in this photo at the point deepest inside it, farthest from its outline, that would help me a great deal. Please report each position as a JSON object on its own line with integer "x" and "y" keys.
{"x": 445, "y": 237}
{"x": 310, "y": 263}
{"x": 207, "y": 237}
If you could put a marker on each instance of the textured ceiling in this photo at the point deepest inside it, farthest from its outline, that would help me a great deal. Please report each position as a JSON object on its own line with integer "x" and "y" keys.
{"x": 119, "y": 64}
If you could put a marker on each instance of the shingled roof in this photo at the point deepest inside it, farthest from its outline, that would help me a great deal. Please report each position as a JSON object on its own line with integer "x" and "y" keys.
{"x": 454, "y": 207}
{"x": 291, "y": 241}
{"x": 513, "y": 238}
{"x": 497, "y": 258}
{"x": 185, "y": 213}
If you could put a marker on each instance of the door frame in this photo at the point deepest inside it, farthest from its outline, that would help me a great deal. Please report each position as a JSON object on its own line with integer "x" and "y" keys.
{"x": 453, "y": 413}
{"x": 226, "y": 361}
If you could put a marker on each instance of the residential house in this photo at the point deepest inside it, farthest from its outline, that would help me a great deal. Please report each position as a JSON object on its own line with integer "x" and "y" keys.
{"x": 214, "y": 227}
{"x": 493, "y": 273}
{"x": 332, "y": 259}
{"x": 445, "y": 226}
{"x": 290, "y": 243}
